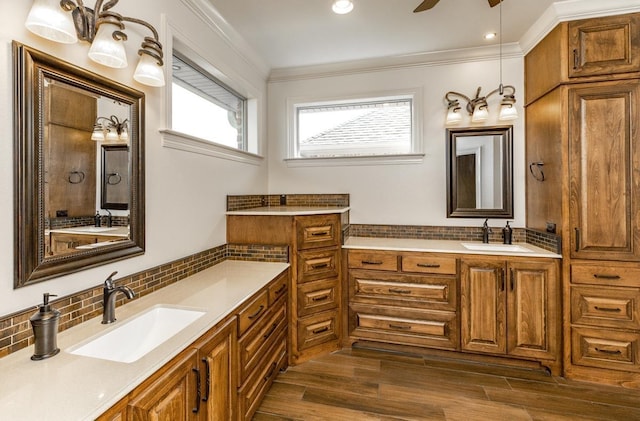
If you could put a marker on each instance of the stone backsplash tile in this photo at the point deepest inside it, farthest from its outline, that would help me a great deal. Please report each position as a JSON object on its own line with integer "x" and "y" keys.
{"x": 241, "y": 202}
{"x": 15, "y": 329}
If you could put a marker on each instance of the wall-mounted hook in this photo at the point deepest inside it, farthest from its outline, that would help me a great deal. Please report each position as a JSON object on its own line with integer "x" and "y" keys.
{"x": 76, "y": 177}
{"x": 537, "y": 173}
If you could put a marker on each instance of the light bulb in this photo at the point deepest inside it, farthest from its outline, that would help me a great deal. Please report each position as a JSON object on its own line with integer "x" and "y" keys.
{"x": 342, "y": 7}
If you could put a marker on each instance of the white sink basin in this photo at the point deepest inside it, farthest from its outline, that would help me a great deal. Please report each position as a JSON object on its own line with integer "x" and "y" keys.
{"x": 90, "y": 229}
{"x": 139, "y": 335}
{"x": 512, "y": 248}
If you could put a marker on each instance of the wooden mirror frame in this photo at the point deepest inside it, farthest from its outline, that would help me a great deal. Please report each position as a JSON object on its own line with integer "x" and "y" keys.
{"x": 453, "y": 208}
{"x": 31, "y": 265}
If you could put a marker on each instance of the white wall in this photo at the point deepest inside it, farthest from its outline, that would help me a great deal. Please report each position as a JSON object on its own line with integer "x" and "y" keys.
{"x": 412, "y": 194}
{"x": 185, "y": 192}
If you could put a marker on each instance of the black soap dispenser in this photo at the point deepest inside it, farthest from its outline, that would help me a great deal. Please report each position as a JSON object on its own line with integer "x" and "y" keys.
{"x": 507, "y": 234}
{"x": 45, "y": 330}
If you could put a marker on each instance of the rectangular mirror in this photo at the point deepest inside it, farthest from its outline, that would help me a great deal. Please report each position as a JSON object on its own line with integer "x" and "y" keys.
{"x": 480, "y": 172}
{"x": 70, "y": 213}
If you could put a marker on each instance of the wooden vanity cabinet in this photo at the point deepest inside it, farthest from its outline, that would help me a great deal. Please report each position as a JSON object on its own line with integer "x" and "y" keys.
{"x": 510, "y": 307}
{"x": 403, "y": 298}
{"x": 315, "y": 241}
{"x": 225, "y": 373}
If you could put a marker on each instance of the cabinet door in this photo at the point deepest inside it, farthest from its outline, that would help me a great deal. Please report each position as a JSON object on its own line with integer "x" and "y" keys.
{"x": 604, "y": 171}
{"x": 169, "y": 395}
{"x": 533, "y": 309}
{"x": 218, "y": 382}
{"x": 482, "y": 306}
{"x": 605, "y": 45}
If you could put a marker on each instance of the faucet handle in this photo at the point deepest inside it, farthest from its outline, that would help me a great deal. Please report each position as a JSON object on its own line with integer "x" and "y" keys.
{"x": 108, "y": 283}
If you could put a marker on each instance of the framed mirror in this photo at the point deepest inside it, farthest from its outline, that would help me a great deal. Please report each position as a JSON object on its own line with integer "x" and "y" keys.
{"x": 70, "y": 214}
{"x": 480, "y": 172}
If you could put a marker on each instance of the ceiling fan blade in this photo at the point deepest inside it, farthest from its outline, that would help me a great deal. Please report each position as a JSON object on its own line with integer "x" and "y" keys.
{"x": 493, "y": 3}
{"x": 426, "y": 5}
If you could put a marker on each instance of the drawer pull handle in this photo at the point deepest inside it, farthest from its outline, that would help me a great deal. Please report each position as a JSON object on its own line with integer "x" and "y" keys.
{"x": 320, "y": 233}
{"x": 601, "y": 276}
{"x": 320, "y": 330}
{"x": 208, "y": 381}
{"x": 320, "y": 298}
{"x": 428, "y": 265}
{"x": 399, "y": 327}
{"x": 281, "y": 289}
{"x": 610, "y": 352}
{"x": 372, "y": 262}
{"x": 271, "y": 371}
{"x": 576, "y": 60}
{"x": 320, "y": 265}
{"x": 611, "y": 310}
{"x": 196, "y": 408}
{"x": 399, "y": 291}
{"x": 254, "y": 315}
{"x": 273, "y": 328}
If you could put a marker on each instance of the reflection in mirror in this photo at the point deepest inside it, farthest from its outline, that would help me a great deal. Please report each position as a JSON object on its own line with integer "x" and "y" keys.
{"x": 479, "y": 172}
{"x": 71, "y": 214}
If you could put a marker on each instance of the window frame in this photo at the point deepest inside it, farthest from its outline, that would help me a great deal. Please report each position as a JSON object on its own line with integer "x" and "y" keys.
{"x": 415, "y": 155}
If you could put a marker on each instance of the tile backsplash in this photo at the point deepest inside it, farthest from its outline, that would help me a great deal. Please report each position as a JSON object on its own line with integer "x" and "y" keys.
{"x": 15, "y": 329}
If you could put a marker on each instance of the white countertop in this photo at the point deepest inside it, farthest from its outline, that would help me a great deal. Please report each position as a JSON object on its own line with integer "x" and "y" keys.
{"x": 290, "y": 210}
{"x": 69, "y": 388}
{"x": 439, "y": 246}
{"x": 108, "y": 231}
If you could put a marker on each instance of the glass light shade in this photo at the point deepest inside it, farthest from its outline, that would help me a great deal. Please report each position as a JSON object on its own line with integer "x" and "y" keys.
{"x": 124, "y": 134}
{"x": 148, "y": 72}
{"x": 342, "y": 7}
{"x": 97, "y": 134}
{"x": 112, "y": 136}
{"x": 453, "y": 116}
{"x": 508, "y": 112}
{"x": 48, "y": 20}
{"x": 480, "y": 114}
{"x": 106, "y": 50}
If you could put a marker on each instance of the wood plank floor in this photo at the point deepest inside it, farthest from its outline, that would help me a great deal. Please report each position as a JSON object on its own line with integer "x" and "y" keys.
{"x": 358, "y": 384}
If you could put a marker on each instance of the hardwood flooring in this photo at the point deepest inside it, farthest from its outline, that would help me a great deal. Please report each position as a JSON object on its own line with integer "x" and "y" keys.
{"x": 357, "y": 384}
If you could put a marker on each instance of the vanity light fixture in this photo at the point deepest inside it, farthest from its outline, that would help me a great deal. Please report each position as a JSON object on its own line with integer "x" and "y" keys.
{"x": 67, "y": 21}
{"x": 478, "y": 107}
{"x": 342, "y": 7}
{"x": 116, "y": 130}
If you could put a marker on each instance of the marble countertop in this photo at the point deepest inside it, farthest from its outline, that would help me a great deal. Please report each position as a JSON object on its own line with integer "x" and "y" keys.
{"x": 290, "y": 210}
{"x": 443, "y": 246}
{"x": 91, "y": 230}
{"x": 69, "y": 387}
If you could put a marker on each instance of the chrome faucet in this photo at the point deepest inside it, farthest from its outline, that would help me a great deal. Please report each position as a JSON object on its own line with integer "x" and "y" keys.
{"x": 485, "y": 231}
{"x": 109, "y": 299}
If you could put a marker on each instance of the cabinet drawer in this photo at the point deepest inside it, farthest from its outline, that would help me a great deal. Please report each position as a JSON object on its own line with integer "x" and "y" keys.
{"x": 314, "y": 297}
{"x": 376, "y": 260}
{"x": 606, "y": 306}
{"x": 278, "y": 288}
{"x": 317, "y": 231}
{"x": 425, "y": 263}
{"x": 605, "y": 348}
{"x": 260, "y": 338}
{"x": 606, "y": 274}
{"x": 313, "y": 265}
{"x": 252, "y": 392}
{"x": 317, "y": 329}
{"x": 404, "y": 326}
{"x": 432, "y": 292}
{"x": 251, "y": 312}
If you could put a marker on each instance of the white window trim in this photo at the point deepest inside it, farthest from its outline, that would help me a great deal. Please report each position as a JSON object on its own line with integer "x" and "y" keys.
{"x": 181, "y": 141}
{"x": 417, "y": 145}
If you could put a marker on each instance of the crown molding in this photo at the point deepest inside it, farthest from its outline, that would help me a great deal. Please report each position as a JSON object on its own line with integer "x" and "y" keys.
{"x": 573, "y": 10}
{"x": 437, "y": 58}
{"x": 212, "y": 18}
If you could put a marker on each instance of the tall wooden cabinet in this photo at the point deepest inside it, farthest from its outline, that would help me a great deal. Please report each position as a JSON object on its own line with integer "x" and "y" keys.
{"x": 582, "y": 123}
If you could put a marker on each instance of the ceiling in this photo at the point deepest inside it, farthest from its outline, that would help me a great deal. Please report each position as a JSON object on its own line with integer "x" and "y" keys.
{"x": 291, "y": 33}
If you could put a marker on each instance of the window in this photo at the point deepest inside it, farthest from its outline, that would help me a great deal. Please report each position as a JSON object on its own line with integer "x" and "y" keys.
{"x": 380, "y": 126}
{"x": 205, "y": 108}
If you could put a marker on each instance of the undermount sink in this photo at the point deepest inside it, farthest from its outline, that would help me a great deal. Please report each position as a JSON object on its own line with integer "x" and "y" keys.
{"x": 136, "y": 337}
{"x": 90, "y": 229}
{"x": 512, "y": 248}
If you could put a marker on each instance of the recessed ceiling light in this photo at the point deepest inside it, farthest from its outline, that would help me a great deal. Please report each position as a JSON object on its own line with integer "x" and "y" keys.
{"x": 490, "y": 35}
{"x": 342, "y": 7}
